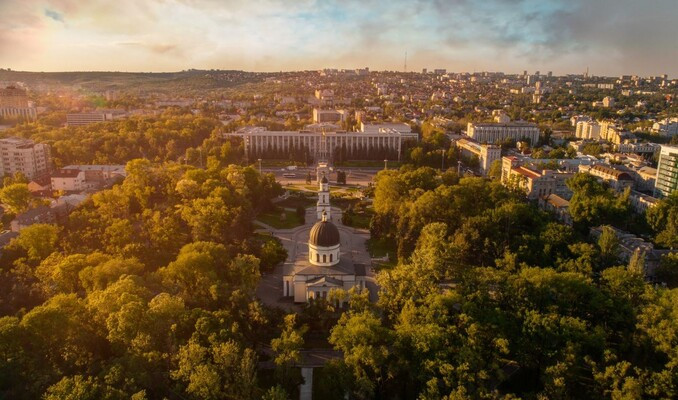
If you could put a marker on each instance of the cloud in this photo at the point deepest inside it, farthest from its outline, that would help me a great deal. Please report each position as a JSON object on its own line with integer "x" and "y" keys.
{"x": 54, "y": 15}
{"x": 610, "y": 36}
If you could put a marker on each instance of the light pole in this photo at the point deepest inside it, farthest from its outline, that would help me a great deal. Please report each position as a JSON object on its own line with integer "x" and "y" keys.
{"x": 442, "y": 159}
{"x": 385, "y": 164}
{"x": 259, "y": 159}
{"x": 459, "y": 168}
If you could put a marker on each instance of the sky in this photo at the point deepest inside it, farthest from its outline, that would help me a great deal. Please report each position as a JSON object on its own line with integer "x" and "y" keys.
{"x": 610, "y": 37}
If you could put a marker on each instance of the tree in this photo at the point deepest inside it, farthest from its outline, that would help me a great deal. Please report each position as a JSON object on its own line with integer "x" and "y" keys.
{"x": 301, "y": 213}
{"x": 341, "y": 177}
{"x": 80, "y": 388}
{"x": 663, "y": 218}
{"x": 360, "y": 335}
{"x": 495, "y": 169}
{"x": 271, "y": 254}
{"x": 275, "y": 393}
{"x": 608, "y": 242}
{"x": 38, "y": 240}
{"x": 592, "y": 204}
{"x": 287, "y": 349}
{"x": 668, "y": 269}
{"x": 218, "y": 370}
{"x": 16, "y": 197}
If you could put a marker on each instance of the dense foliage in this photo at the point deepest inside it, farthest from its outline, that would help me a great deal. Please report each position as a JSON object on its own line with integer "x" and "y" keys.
{"x": 494, "y": 299}
{"x": 146, "y": 292}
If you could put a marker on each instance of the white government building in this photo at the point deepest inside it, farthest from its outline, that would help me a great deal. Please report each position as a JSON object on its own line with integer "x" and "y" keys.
{"x": 321, "y": 144}
{"x": 489, "y": 132}
{"x": 324, "y": 268}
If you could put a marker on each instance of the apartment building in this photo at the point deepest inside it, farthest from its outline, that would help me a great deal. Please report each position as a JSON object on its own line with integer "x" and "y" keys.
{"x": 494, "y": 132}
{"x": 68, "y": 180}
{"x": 25, "y": 156}
{"x": 486, "y": 153}
{"x": 616, "y": 178}
{"x": 534, "y": 183}
{"x": 667, "y": 171}
{"x": 81, "y": 119}
{"x": 587, "y": 130}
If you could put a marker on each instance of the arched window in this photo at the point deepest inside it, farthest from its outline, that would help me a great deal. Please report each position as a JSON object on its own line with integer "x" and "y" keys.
{"x": 317, "y": 257}
{"x": 331, "y": 257}
{"x": 324, "y": 258}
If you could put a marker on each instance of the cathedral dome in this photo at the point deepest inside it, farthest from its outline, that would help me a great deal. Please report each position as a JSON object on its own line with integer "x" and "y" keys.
{"x": 324, "y": 234}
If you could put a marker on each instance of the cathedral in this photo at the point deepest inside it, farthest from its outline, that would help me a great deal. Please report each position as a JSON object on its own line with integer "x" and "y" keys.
{"x": 324, "y": 267}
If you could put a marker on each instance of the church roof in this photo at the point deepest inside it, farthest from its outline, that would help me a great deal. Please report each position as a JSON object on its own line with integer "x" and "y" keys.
{"x": 324, "y": 234}
{"x": 303, "y": 267}
{"x": 324, "y": 281}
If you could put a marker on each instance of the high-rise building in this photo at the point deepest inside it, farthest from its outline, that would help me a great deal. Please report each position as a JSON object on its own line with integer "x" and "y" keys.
{"x": 667, "y": 171}
{"x": 587, "y": 130}
{"x": 25, "y": 156}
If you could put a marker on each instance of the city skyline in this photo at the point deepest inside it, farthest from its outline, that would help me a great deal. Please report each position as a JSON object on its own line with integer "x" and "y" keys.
{"x": 607, "y": 37}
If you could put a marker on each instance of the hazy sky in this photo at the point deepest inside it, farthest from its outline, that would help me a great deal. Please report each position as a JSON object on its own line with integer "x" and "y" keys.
{"x": 611, "y": 37}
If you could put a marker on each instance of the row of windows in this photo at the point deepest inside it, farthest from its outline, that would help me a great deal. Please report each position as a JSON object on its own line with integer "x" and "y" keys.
{"x": 317, "y": 257}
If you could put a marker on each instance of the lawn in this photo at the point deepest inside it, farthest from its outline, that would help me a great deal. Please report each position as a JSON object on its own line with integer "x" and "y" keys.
{"x": 360, "y": 220}
{"x": 273, "y": 218}
{"x": 296, "y": 201}
{"x": 380, "y": 247}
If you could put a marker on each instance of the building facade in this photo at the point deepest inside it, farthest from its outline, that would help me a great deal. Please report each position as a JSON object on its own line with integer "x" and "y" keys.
{"x": 493, "y": 132}
{"x": 667, "y": 171}
{"x": 14, "y": 104}
{"x": 81, "y": 119}
{"x": 13, "y": 97}
{"x": 25, "y": 156}
{"x": 320, "y": 115}
{"x": 486, "y": 153}
{"x": 322, "y": 145}
{"x": 617, "y": 179}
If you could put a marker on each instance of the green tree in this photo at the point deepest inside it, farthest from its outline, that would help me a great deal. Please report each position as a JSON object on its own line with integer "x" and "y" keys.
{"x": 219, "y": 370}
{"x": 495, "y": 169}
{"x": 38, "y": 240}
{"x": 608, "y": 243}
{"x": 16, "y": 197}
{"x": 287, "y": 349}
{"x": 663, "y": 218}
{"x": 360, "y": 335}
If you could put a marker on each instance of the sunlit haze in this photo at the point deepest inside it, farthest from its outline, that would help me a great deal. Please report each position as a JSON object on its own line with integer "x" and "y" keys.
{"x": 610, "y": 37}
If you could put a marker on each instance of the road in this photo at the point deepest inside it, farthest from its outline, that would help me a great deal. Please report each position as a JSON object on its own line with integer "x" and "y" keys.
{"x": 354, "y": 176}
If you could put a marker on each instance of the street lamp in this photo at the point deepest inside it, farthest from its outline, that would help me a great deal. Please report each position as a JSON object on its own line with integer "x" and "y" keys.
{"x": 385, "y": 164}
{"x": 259, "y": 159}
{"x": 442, "y": 159}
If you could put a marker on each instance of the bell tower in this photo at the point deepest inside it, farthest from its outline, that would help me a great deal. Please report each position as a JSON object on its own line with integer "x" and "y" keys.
{"x": 323, "y": 205}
